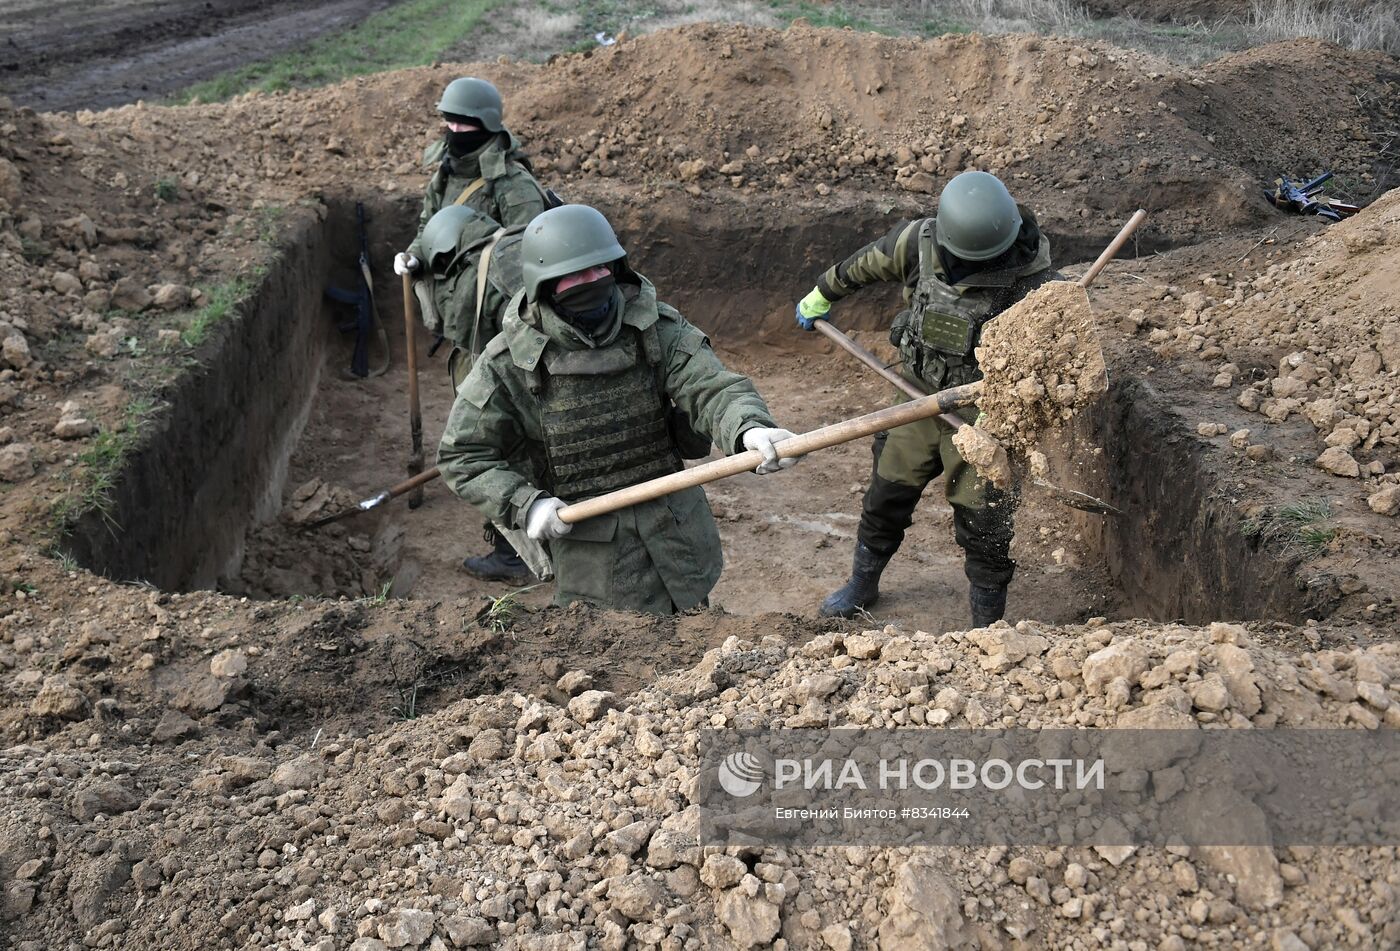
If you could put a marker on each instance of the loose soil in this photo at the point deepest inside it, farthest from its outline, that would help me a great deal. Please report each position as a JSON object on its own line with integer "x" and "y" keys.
{"x": 196, "y": 769}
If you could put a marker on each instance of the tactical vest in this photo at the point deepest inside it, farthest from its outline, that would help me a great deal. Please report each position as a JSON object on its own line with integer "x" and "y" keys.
{"x": 939, "y": 332}
{"x": 605, "y": 418}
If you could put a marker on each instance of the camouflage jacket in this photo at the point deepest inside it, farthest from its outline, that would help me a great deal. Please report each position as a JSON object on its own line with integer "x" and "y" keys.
{"x": 509, "y": 193}
{"x": 658, "y": 556}
{"x": 908, "y": 255}
{"x": 455, "y": 295}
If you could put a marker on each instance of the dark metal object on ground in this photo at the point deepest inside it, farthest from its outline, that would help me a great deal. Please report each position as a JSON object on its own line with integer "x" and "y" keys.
{"x": 1305, "y": 198}
{"x": 366, "y": 320}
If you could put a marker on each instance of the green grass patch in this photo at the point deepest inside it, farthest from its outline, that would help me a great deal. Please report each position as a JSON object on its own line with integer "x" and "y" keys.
{"x": 501, "y": 613}
{"x": 33, "y": 250}
{"x": 1299, "y": 528}
{"x": 223, "y": 300}
{"x": 99, "y": 465}
{"x": 407, "y": 34}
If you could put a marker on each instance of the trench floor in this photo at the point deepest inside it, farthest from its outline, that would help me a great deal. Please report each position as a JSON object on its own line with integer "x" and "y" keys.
{"x": 787, "y": 537}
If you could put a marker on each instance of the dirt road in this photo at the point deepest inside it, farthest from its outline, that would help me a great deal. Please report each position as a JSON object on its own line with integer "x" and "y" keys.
{"x": 68, "y": 55}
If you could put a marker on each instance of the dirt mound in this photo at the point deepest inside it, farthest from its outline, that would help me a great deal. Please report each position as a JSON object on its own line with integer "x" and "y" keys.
{"x": 1320, "y": 327}
{"x": 539, "y": 822}
{"x": 1078, "y": 127}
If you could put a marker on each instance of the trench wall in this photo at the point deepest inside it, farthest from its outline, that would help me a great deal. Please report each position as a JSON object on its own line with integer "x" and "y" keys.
{"x": 215, "y": 456}
{"x": 1177, "y": 551}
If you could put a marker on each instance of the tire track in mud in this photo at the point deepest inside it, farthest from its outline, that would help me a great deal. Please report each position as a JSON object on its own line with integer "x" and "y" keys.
{"x": 65, "y": 56}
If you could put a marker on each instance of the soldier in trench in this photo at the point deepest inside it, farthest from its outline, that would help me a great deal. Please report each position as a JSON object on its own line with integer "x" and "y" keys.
{"x": 471, "y": 269}
{"x": 481, "y": 168}
{"x": 979, "y": 255}
{"x": 479, "y": 164}
{"x": 593, "y": 385}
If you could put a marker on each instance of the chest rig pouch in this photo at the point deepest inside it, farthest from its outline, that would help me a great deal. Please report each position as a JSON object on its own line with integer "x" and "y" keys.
{"x": 939, "y": 332}
{"x": 605, "y": 421}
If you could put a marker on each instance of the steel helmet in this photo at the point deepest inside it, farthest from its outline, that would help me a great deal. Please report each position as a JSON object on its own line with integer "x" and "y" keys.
{"x": 564, "y": 240}
{"x": 444, "y": 231}
{"x": 475, "y": 98}
{"x": 977, "y": 217}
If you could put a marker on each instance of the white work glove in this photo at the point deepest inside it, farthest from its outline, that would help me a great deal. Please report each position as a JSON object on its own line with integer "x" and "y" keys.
{"x": 405, "y": 263}
{"x": 763, "y": 439}
{"x": 542, "y": 521}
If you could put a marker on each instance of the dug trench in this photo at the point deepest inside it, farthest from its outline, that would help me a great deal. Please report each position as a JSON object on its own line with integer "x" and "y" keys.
{"x": 267, "y": 431}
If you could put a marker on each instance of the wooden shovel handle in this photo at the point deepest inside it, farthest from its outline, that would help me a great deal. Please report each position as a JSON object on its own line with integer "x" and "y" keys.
{"x": 415, "y": 411}
{"x": 872, "y": 361}
{"x": 823, "y": 438}
{"x": 1114, "y": 246}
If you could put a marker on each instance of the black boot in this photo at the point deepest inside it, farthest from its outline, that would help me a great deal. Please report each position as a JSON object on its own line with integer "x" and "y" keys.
{"x": 502, "y": 564}
{"x": 863, "y": 588}
{"x": 988, "y": 604}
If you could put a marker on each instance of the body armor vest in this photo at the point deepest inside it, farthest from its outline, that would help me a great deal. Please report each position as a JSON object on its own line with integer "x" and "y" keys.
{"x": 937, "y": 335}
{"x": 605, "y": 419}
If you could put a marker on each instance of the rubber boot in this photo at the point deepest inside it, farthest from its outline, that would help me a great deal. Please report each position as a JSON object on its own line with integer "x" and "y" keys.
{"x": 988, "y": 604}
{"x": 862, "y": 590}
{"x": 502, "y": 564}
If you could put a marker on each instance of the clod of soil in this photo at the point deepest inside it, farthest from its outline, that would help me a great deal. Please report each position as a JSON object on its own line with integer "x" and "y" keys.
{"x": 985, "y": 454}
{"x": 1042, "y": 362}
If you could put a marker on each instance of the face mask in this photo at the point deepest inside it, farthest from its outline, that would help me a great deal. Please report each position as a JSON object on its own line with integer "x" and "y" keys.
{"x": 587, "y": 305}
{"x": 465, "y": 143}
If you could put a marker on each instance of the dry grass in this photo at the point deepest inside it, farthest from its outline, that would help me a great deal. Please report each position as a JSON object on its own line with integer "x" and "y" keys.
{"x": 672, "y": 13}
{"x": 1006, "y": 16}
{"x": 1361, "y": 26}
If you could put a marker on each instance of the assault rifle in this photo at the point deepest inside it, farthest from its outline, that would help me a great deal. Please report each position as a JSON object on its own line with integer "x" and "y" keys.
{"x": 365, "y": 323}
{"x": 1303, "y": 198}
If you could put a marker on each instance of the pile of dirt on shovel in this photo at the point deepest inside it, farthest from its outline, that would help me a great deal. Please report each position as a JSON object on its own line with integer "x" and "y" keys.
{"x": 1042, "y": 362}
{"x": 557, "y": 821}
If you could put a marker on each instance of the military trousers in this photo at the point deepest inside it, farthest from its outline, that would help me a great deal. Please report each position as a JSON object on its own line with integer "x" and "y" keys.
{"x": 906, "y": 460}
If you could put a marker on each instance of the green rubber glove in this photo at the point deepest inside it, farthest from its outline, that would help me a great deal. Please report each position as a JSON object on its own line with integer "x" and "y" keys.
{"x": 812, "y": 308}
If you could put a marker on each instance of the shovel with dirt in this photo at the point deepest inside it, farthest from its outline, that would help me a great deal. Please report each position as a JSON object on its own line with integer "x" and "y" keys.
{"x": 1041, "y": 361}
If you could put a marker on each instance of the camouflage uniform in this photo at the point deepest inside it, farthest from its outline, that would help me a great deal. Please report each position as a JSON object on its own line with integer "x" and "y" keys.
{"x": 592, "y": 414}
{"x": 509, "y": 192}
{"x": 908, "y": 458}
{"x": 467, "y": 322}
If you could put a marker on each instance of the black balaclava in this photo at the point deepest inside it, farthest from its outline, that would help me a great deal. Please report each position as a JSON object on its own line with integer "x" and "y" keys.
{"x": 586, "y": 306}
{"x": 465, "y": 143}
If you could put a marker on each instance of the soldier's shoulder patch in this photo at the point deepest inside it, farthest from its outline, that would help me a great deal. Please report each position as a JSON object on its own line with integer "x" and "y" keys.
{"x": 484, "y": 378}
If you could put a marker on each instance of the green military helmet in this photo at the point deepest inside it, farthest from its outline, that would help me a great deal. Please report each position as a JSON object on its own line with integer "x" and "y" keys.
{"x": 977, "y": 217}
{"x": 564, "y": 240}
{"x": 475, "y": 98}
{"x": 443, "y": 233}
